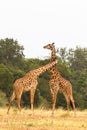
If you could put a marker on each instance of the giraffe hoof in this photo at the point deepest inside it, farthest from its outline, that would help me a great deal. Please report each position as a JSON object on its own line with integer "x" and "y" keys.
{"x": 52, "y": 114}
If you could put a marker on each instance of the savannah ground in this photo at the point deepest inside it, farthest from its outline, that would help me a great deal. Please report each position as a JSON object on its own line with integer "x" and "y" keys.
{"x": 42, "y": 120}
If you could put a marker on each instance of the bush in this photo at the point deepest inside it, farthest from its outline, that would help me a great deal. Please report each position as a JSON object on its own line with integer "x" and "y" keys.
{"x": 3, "y": 99}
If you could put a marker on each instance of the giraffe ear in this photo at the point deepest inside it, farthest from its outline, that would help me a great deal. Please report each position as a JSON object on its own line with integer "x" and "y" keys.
{"x": 53, "y": 43}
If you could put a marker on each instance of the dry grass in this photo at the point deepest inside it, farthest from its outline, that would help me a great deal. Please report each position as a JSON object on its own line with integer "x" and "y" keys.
{"x": 42, "y": 120}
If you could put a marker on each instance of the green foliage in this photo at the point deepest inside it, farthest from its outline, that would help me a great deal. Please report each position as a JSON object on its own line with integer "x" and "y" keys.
{"x": 64, "y": 69}
{"x": 11, "y": 53}
{"x": 61, "y": 102}
{"x": 79, "y": 61}
{"x": 6, "y": 79}
{"x": 30, "y": 64}
{"x": 44, "y": 88}
{"x": 17, "y": 73}
{"x": 3, "y": 99}
{"x": 26, "y": 98}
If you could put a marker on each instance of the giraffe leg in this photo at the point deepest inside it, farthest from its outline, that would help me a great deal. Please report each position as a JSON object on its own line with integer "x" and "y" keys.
{"x": 18, "y": 95}
{"x": 73, "y": 104}
{"x": 54, "y": 95}
{"x": 32, "y": 93}
{"x": 18, "y": 103}
{"x": 67, "y": 101}
{"x": 53, "y": 103}
{"x": 10, "y": 101}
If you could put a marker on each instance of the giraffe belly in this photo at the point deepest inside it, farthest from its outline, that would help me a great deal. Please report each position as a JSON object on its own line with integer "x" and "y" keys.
{"x": 27, "y": 88}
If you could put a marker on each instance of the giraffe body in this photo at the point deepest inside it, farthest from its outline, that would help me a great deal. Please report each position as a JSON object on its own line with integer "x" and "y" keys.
{"x": 28, "y": 83}
{"x": 58, "y": 83}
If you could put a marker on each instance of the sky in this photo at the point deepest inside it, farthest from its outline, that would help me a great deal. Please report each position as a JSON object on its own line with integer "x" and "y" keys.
{"x": 35, "y": 23}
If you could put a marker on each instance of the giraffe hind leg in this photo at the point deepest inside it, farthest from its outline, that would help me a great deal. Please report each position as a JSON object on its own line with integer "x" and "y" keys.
{"x": 10, "y": 101}
{"x": 67, "y": 101}
{"x": 73, "y": 104}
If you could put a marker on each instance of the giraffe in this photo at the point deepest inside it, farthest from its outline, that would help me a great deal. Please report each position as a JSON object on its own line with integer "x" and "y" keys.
{"x": 58, "y": 83}
{"x": 28, "y": 83}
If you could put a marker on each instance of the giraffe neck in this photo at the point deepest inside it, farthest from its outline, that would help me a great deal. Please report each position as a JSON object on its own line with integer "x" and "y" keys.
{"x": 42, "y": 69}
{"x": 53, "y": 54}
{"x": 53, "y": 69}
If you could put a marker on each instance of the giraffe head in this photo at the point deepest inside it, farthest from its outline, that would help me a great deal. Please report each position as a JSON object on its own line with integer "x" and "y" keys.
{"x": 49, "y": 46}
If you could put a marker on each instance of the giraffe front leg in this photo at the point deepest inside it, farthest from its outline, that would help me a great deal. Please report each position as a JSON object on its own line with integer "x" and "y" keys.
{"x": 53, "y": 103}
{"x": 32, "y": 93}
{"x": 54, "y": 95}
{"x": 18, "y": 103}
{"x": 18, "y": 96}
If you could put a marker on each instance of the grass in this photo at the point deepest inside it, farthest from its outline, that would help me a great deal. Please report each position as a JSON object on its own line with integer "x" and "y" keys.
{"x": 42, "y": 120}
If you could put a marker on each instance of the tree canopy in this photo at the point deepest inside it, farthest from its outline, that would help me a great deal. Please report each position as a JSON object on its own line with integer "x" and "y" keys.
{"x": 11, "y": 53}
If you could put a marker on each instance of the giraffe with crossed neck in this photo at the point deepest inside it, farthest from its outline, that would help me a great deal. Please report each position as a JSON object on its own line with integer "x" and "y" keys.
{"x": 58, "y": 83}
{"x": 28, "y": 83}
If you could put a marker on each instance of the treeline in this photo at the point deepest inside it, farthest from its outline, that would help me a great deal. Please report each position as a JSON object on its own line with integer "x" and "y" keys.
{"x": 72, "y": 64}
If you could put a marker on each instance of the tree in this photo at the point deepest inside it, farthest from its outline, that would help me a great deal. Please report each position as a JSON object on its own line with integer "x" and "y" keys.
{"x": 31, "y": 63}
{"x": 62, "y": 52}
{"x": 3, "y": 99}
{"x": 79, "y": 60}
{"x": 11, "y": 53}
{"x": 78, "y": 66}
{"x": 6, "y": 79}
